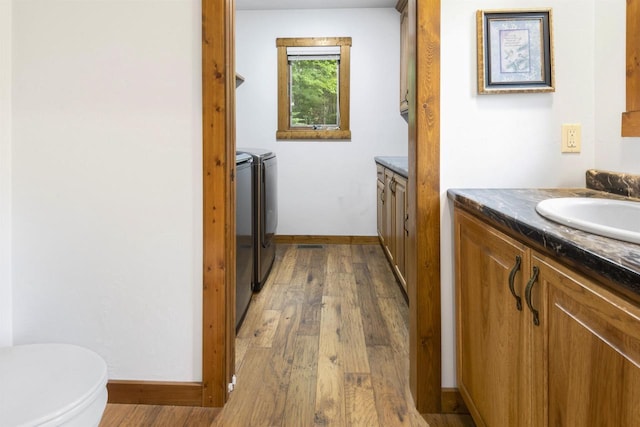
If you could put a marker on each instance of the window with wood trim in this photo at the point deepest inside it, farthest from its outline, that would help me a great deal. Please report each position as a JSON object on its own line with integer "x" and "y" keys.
{"x": 631, "y": 118}
{"x": 313, "y": 88}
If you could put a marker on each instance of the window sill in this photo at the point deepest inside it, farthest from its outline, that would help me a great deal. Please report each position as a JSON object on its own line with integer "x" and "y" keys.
{"x": 314, "y": 134}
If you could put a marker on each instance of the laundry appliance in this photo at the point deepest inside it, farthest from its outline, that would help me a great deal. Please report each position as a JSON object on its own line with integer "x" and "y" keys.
{"x": 244, "y": 235}
{"x": 265, "y": 212}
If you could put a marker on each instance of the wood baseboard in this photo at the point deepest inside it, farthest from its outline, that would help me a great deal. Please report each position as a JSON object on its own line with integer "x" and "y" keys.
{"x": 452, "y": 402}
{"x": 326, "y": 240}
{"x": 155, "y": 393}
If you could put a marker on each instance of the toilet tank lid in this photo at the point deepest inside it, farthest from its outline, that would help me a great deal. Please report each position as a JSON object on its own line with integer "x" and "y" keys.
{"x": 42, "y": 382}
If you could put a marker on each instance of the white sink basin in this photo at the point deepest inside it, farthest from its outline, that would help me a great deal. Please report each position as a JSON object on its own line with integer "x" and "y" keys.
{"x": 619, "y": 219}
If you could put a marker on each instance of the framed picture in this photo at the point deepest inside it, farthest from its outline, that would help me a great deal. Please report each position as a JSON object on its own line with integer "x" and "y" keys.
{"x": 515, "y": 51}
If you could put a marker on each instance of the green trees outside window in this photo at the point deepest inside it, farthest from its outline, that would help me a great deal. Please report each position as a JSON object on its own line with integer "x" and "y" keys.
{"x": 314, "y": 93}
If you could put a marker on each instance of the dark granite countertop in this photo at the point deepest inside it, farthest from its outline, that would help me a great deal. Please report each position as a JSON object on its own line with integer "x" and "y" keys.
{"x": 398, "y": 164}
{"x": 589, "y": 253}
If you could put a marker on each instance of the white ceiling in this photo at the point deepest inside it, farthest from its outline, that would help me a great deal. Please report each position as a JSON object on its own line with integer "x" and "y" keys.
{"x": 312, "y": 4}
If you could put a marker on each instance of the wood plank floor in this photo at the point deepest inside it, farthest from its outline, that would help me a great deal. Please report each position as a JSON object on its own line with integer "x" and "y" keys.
{"x": 324, "y": 343}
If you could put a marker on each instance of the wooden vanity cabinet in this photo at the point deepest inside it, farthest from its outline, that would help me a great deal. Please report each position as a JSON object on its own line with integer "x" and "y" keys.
{"x": 493, "y": 357}
{"x": 392, "y": 208}
{"x": 577, "y": 365}
{"x": 593, "y": 351}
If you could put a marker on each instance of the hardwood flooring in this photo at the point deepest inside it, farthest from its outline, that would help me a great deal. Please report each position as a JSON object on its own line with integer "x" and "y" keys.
{"x": 324, "y": 343}
{"x": 150, "y": 415}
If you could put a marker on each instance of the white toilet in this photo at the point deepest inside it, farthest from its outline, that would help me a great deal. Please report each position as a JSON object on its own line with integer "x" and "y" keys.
{"x": 51, "y": 385}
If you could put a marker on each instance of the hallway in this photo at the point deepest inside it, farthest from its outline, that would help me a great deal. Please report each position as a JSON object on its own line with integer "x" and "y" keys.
{"x": 325, "y": 343}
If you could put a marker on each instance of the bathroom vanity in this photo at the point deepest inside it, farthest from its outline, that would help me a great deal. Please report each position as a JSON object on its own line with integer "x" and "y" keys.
{"x": 547, "y": 317}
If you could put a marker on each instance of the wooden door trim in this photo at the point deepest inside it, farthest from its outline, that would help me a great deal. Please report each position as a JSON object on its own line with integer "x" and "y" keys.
{"x": 423, "y": 271}
{"x": 424, "y": 201}
{"x": 218, "y": 168}
{"x": 631, "y": 118}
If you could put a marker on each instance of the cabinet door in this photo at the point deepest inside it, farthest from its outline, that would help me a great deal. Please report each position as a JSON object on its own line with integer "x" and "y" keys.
{"x": 594, "y": 352}
{"x": 406, "y": 236}
{"x": 381, "y": 211}
{"x": 389, "y": 214}
{"x": 400, "y": 212}
{"x": 493, "y": 368}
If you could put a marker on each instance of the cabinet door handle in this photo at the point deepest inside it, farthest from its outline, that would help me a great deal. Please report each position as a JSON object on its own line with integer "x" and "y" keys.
{"x": 527, "y": 296}
{"x": 392, "y": 186}
{"x": 382, "y": 196}
{"x": 406, "y": 219}
{"x": 512, "y": 277}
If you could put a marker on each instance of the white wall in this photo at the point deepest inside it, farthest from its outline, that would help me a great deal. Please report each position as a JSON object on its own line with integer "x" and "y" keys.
{"x": 612, "y": 151}
{"x": 325, "y": 187}
{"x": 5, "y": 174}
{"x": 510, "y": 140}
{"x": 107, "y": 210}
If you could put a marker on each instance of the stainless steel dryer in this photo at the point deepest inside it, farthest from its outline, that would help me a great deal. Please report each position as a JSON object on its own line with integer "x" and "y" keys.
{"x": 265, "y": 212}
{"x": 244, "y": 235}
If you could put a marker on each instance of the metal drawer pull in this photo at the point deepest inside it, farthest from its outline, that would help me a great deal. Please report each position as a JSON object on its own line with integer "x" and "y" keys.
{"x": 527, "y": 296}
{"x": 512, "y": 277}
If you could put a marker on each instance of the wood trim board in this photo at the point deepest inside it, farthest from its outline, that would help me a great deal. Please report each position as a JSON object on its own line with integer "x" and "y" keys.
{"x": 326, "y": 240}
{"x": 631, "y": 118}
{"x": 423, "y": 268}
{"x": 155, "y": 393}
{"x": 218, "y": 165}
{"x": 452, "y": 402}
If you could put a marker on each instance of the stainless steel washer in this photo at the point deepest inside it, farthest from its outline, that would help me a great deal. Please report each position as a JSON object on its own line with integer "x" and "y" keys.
{"x": 265, "y": 211}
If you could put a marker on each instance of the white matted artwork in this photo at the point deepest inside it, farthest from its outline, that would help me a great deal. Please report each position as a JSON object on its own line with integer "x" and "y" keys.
{"x": 515, "y": 51}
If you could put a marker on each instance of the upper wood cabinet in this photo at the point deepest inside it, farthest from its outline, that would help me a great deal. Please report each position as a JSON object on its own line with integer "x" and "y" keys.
{"x": 403, "y": 7}
{"x": 567, "y": 355}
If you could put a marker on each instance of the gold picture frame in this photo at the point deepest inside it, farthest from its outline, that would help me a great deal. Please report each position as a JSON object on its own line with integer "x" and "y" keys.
{"x": 515, "y": 51}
